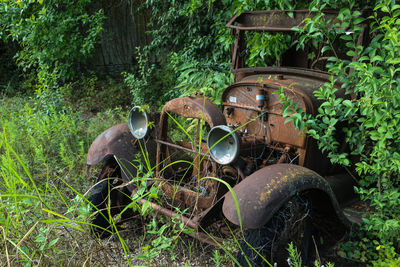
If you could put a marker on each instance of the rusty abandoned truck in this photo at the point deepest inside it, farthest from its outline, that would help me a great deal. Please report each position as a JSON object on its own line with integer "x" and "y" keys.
{"x": 287, "y": 190}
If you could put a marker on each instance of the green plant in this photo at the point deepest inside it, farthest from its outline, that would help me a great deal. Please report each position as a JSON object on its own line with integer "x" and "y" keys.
{"x": 43, "y": 145}
{"x": 363, "y": 111}
{"x": 217, "y": 258}
{"x": 266, "y": 48}
{"x": 57, "y": 34}
{"x": 150, "y": 84}
{"x": 295, "y": 259}
{"x": 92, "y": 93}
{"x": 25, "y": 205}
{"x": 191, "y": 46}
{"x": 207, "y": 78}
{"x": 163, "y": 238}
{"x": 294, "y": 256}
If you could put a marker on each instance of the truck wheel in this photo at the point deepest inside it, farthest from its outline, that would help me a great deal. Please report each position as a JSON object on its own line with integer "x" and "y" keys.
{"x": 99, "y": 220}
{"x": 107, "y": 199}
{"x": 292, "y": 223}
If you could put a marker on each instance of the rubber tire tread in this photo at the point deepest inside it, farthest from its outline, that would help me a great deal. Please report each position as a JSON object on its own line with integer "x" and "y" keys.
{"x": 98, "y": 198}
{"x": 271, "y": 241}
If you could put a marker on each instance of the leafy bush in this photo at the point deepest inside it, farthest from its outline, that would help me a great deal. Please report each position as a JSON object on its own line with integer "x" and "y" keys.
{"x": 190, "y": 48}
{"x": 150, "y": 84}
{"x": 53, "y": 33}
{"x": 367, "y": 115}
{"x": 91, "y": 93}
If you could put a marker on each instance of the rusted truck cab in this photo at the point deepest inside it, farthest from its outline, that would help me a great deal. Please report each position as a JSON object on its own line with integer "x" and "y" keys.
{"x": 285, "y": 188}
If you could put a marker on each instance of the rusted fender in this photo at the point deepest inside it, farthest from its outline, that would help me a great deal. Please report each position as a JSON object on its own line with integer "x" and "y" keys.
{"x": 117, "y": 142}
{"x": 261, "y": 194}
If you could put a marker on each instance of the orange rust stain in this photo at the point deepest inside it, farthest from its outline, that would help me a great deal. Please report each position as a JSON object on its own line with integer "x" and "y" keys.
{"x": 264, "y": 196}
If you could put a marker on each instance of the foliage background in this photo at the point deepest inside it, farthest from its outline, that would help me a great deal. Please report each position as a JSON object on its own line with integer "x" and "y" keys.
{"x": 47, "y": 129}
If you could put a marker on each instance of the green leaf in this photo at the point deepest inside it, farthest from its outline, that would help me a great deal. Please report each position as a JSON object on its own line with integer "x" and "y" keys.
{"x": 346, "y": 37}
{"x": 358, "y": 20}
{"x": 53, "y": 242}
{"x": 285, "y": 110}
{"x": 376, "y": 58}
{"x": 347, "y": 103}
{"x": 350, "y": 53}
{"x": 288, "y": 120}
{"x": 297, "y": 116}
{"x": 326, "y": 48}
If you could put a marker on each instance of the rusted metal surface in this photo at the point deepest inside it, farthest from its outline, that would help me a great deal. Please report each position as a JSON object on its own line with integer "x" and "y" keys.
{"x": 273, "y": 20}
{"x": 261, "y": 194}
{"x": 241, "y": 101}
{"x": 237, "y": 51}
{"x": 269, "y": 128}
{"x": 188, "y": 107}
{"x": 169, "y": 213}
{"x": 118, "y": 144}
{"x": 116, "y": 140}
{"x": 189, "y": 197}
{"x": 303, "y": 73}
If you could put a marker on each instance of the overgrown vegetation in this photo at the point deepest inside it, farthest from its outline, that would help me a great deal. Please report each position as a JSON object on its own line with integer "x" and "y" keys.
{"x": 53, "y": 34}
{"x": 369, "y": 111}
{"x": 46, "y": 133}
{"x": 192, "y": 48}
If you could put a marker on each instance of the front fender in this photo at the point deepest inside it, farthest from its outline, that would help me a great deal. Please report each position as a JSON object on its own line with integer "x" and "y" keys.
{"x": 264, "y": 192}
{"x": 117, "y": 143}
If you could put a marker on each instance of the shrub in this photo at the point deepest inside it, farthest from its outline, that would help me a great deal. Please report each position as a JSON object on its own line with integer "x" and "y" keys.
{"x": 54, "y": 33}
{"x": 368, "y": 115}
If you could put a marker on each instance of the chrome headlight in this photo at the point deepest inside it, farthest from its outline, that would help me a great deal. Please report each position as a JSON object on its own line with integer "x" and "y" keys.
{"x": 138, "y": 122}
{"x": 224, "y": 150}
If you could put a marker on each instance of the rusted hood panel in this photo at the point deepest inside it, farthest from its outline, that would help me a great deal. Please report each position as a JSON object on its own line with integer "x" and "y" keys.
{"x": 261, "y": 194}
{"x": 198, "y": 108}
{"x": 116, "y": 140}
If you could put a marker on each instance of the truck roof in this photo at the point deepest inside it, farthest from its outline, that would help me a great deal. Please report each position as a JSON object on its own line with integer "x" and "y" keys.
{"x": 274, "y": 20}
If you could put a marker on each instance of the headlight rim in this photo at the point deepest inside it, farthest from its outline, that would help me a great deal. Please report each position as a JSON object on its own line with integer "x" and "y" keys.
{"x": 131, "y": 127}
{"x": 233, "y": 135}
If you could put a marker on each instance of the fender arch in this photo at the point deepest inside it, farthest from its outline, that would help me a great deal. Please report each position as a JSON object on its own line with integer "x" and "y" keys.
{"x": 264, "y": 192}
{"x": 117, "y": 144}
{"x": 116, "y": 140}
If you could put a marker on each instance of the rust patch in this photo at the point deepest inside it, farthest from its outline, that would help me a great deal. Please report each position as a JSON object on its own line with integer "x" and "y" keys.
{"x": 116, "y": 140}
{"x": 259, "y": 197}
{"x": 274, "y": 20}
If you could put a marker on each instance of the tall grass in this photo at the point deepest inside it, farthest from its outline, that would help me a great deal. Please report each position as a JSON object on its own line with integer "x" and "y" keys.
{"x": 42, "y": 167}
{"x": 43, "y": 213}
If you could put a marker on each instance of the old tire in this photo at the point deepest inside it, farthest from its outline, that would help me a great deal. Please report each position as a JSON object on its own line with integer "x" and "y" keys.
{"x": 100, "y": 218}
{"x": 107, "y": 199}
{"x": 292, "y": 223}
